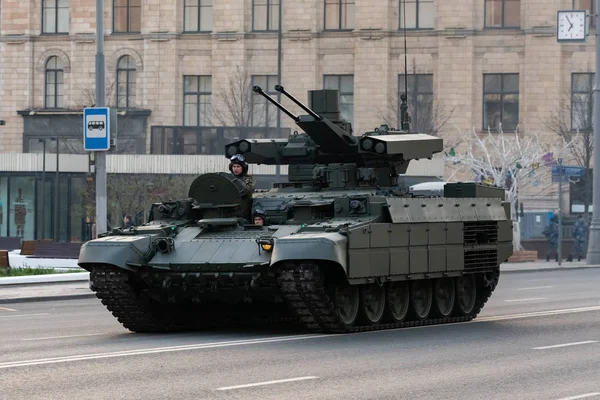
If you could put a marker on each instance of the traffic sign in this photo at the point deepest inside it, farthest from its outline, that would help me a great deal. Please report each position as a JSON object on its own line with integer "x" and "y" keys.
{"x": 96, "y": 129}
{"x": 569, "y": 171}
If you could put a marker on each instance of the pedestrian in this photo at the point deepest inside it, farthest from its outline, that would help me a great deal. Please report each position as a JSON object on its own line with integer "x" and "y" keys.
{"x": 551, "y": 233}
{"x": 580, "y": 235}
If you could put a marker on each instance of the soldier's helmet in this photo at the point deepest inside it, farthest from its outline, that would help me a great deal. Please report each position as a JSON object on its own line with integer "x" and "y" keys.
{"x": 239, "y": 160}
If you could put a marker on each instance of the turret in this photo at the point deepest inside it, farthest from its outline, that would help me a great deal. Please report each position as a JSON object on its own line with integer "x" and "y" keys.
{"x": 327, "y": 139}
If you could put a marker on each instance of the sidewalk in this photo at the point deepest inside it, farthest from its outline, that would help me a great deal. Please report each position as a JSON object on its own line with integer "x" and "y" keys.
{"x": 76, "y": 285}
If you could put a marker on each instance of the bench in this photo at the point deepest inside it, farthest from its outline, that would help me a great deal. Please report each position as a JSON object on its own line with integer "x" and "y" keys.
{"x": 10, "y": 243}
{"x": 44, "y": 249}
{"x": 28, "y": 246}
{"x": 4, "y": 262}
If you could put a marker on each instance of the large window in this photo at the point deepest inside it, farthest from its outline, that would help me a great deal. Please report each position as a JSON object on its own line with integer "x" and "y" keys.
{"x": 127, "y": 16}
{"x": 502, "y": 13}
{"x": 419, "y": 14}
{"x": 54, "y": 83}
{"x": 263, "y": 112}
{"x": 126, "y": 82}
{"x": 55, "y": 17}
{"x": 197, "y": 91}
{"x": 500, "y": 101}
{"x": 420, "y": 100}
{"x": 582, "y": 101}
{"x": 198, "y": 15}
{"x": 588, "y": 5}
{"x": 21, "y": 215}
{"x": 345, "y": 85}
{"x": 339, "y": 14}
{"x": 265, "y": 15}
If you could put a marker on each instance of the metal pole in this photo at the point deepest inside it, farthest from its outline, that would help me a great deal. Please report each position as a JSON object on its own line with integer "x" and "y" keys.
{"x": 560, "y": 200}
{"x": 277, "y": 167}
{"x": 57, "y": 192}
{"x": 44, "y": 190}
{"x": 593, "y": 253}
{"x": 100, "y": 102}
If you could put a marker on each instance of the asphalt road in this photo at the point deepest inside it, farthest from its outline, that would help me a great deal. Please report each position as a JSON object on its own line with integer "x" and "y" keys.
{"x": 537, "y": 338}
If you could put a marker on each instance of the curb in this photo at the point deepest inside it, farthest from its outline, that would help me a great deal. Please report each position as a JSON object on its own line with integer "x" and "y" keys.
{"x": 48, "y": 298}
{"x": 47, "y": 278}
{"x": 547, "y": 269}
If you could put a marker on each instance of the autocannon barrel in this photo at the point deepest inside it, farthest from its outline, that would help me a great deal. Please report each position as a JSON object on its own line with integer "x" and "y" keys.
{"x": 313, "y": 114}
{"x": 260, "y": 91}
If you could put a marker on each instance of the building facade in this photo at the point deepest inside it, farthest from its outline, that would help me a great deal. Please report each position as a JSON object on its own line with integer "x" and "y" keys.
{"x": 179, "y": 72}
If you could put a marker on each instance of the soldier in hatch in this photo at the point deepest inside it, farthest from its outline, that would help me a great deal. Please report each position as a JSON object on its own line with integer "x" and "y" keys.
{"x": 239, "y": 168}
{"x": 260, "y": 217}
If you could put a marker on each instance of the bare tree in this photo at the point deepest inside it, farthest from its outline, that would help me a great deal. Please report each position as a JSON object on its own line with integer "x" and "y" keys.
{"x": 509, "y": 160}
{"x": 132, "y": 194}
{"x": 572, "y": 120}
{"x": 240, "y": 105}
{"x": 427, "y": 116}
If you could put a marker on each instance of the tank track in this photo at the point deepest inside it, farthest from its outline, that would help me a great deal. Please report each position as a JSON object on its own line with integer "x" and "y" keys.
{"x": 305, "y": 292}
{"x": 120, "y": 296}
{"x": 112, "y": 287}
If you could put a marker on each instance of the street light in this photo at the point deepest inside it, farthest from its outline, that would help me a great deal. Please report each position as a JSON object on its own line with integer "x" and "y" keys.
{"x": 43, "y": 141}
{"x": 56, "y": 188}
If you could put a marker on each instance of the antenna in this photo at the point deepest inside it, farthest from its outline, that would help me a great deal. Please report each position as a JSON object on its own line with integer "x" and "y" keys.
{"x": 404, "y": 120}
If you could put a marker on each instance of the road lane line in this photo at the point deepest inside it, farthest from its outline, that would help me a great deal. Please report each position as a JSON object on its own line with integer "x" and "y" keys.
{"x": 556, "y": 346}
{"x": 536, "y": 288}
{"x": 22, "y": 315}
{"x": 302, "y": 378}
{"x": 529, "y": 299}
{"x": 581, "y": 396}
{"x": 6, "y": 309}
{"x": 201, "y": 346}
{"x": 63, "y": 337}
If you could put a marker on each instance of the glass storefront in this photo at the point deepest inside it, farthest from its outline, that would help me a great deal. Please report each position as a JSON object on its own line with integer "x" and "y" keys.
{"x": 28, "y": 208}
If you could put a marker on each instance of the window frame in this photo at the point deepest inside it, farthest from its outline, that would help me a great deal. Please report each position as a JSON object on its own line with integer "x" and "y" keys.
{"x": 128, "y": 8}
{"x": 270, "y": 90}
{"x": 199, "y": 14}
{"x": 418, "y": 7}
{"x": 502, "y": 93}
{"x": 55, "y": 72}
{"x": 339, "y": 24}
{"x": 503, "y": 23}
{"x": 341, "y": 93}
{"x": 269, "y": 16}
{"x": 413, "y": 95}
{"x": 590, "y": 99}
{"x": 198, "y": 93}
{"x": 55, "y": 8}
{"x": 128, "y": 71}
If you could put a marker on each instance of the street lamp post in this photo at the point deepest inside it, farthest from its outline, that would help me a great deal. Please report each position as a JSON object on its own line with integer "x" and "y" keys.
{"x": 279, "y": 33}
{"x": 43, "y": 188}
{"x": 593, "y": 253}
{"x": 56, "y": 190}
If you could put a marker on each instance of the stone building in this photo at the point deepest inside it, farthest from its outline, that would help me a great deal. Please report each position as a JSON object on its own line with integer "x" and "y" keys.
{"x": 171, "y": 65}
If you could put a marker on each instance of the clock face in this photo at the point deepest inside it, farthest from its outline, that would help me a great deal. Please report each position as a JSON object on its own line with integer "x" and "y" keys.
{"x": 571, "y": 25}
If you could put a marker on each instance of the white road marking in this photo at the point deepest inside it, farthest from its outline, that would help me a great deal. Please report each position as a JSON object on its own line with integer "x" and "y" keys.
{"x": 6, "y": 309}
{"x": 278, "y": 339}
{"x": 529, "y": 299}
{"x": 536, "y": 288}
{"x": 63, "y": 337}
{"x": 83, "y": 357}
{"x": 581, "y": 396}
{"x": 565, "y": 345}
{"x": 22, "y": 315}
{"x": 302, "y": 378}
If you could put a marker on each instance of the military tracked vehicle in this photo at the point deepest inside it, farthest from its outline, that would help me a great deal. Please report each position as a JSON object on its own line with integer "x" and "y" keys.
{"x": 344, "y": 249}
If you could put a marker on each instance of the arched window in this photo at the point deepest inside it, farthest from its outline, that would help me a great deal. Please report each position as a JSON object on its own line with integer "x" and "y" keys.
{"x": 126, "y": 82}
{"x": 54, "y": 83}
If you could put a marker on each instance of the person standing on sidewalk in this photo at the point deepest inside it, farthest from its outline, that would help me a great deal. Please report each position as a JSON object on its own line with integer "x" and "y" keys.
{"x": 580, "y": 234}
{"x": 551, "y": 233}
